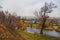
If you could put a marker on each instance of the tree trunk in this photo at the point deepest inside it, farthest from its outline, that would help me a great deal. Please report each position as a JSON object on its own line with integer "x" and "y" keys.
{"x": 43, "y": 25}
{"x": 41, "y": 32}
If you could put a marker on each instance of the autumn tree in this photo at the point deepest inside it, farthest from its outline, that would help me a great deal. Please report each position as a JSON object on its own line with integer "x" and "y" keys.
{"x": 43, "y": 13}
{"x": 10, "y": 20}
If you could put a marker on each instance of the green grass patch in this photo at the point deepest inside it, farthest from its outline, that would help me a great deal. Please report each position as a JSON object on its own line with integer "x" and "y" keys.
{"x": 29, "y": 36}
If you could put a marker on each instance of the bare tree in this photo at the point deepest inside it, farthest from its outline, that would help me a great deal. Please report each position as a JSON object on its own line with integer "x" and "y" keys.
{"x": 43, "y": 13}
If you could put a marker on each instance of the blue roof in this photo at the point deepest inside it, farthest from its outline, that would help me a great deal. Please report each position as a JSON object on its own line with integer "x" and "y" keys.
{"x": 33, "y": 21}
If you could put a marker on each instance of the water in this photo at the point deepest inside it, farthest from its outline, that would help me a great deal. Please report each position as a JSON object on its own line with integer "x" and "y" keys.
{"x": 51, "y": 33}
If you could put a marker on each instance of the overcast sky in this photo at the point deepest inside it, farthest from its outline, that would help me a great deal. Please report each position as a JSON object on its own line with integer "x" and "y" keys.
{"x": 26, "y": 7}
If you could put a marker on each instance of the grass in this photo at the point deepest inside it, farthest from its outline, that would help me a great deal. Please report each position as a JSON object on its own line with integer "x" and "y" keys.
{"x": 29, "y": 36}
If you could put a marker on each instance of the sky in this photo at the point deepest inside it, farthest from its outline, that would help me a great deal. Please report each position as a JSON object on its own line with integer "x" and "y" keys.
{"x": 27, "y": 7}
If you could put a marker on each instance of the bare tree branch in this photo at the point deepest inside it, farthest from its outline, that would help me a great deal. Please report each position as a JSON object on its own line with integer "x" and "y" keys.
{"x": 42, "y": 14}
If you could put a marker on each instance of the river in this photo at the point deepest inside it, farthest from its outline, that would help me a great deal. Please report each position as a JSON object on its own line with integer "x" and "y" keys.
{"x": 46, "y": 32}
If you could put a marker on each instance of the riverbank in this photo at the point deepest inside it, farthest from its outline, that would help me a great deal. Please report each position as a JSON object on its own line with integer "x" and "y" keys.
{"x": 49, "y": 28}
{"x": 30, "y": 36}
{"x": 58, "y": 29}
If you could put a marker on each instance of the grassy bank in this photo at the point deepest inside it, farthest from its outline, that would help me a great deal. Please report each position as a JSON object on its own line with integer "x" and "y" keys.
{"x": 29, "y": 36}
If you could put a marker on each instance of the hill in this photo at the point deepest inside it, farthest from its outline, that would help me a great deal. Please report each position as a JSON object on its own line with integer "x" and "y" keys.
{"x": 8, "y": 34}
